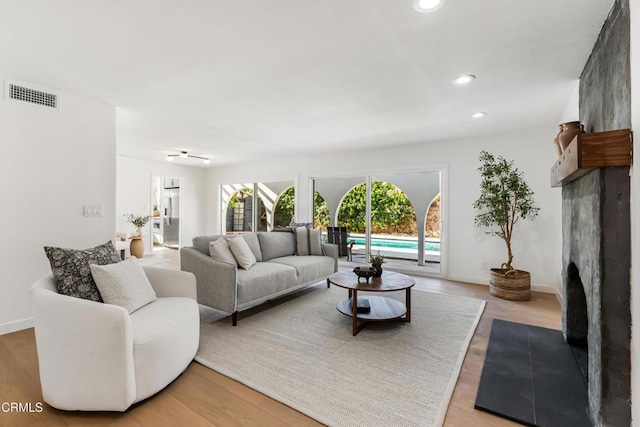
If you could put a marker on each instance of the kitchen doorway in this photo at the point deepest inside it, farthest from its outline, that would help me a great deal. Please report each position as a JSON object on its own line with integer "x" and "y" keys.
{"x": 167, "y": 213}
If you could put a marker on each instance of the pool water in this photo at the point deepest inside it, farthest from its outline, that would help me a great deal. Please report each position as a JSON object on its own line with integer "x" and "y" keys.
{"x": 390, "y": 242}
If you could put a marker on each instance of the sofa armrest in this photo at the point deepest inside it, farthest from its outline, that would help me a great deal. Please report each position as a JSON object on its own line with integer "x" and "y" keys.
{"x": 85, "y": 352}
{"x": 331, "y": 250}
{"x": 172, "y": 283}
{"x": 216, "y": 280}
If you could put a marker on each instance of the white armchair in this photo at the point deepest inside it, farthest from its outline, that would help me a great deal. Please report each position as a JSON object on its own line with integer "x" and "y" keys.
{"x": 98, "y": 357}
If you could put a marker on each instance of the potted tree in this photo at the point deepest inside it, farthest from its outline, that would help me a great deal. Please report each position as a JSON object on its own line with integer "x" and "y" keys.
{"x": 505, "y": 198}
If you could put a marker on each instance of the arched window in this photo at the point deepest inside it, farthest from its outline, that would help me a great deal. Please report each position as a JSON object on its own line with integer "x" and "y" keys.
{"x": 391, "y": 210}
{"x": 432, "y": 224}
{"x": 240, "y": 211}
{"x": 285, "y": 207}
{"x": 320, "y": 212}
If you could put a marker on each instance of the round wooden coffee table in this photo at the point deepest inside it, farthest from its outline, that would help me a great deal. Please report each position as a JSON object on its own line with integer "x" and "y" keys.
{"x": 382, "y": 308}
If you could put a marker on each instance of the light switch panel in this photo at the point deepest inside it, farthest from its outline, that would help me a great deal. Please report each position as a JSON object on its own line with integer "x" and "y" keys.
{"x": 92, "y": 210}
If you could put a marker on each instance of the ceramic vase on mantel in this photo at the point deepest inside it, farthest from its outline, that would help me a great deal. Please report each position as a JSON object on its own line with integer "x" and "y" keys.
{"x": 556, "y": 141}
{"x": 569, "y": 131}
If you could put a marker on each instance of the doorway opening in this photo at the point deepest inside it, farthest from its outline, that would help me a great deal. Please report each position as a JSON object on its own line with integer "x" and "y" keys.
{"x": 166, "y": 219}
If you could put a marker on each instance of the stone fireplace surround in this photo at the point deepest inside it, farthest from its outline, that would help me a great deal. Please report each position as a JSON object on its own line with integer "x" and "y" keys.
{"x": 596, "y": 253}
{"x": 596, "y": 259}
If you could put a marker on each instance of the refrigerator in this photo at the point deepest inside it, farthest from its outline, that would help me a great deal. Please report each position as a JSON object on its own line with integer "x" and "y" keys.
{"x": 171, "y": 214}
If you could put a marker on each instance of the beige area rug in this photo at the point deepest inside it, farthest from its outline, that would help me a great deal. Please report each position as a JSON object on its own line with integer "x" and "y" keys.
{"x": 301, "y": 353}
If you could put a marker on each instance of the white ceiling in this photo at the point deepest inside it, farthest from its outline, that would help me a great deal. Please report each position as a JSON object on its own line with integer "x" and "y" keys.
{"x": 231, "y": 79}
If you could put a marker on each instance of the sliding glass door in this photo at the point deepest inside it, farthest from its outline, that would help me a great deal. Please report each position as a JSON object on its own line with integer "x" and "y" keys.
{"x": 342, "y": 218}
{"x": 392, "y": 214}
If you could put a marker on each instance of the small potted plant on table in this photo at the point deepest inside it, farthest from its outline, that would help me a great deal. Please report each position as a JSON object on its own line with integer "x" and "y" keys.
{"x": 505, "y": 197}
{"x": 376, "y": 262}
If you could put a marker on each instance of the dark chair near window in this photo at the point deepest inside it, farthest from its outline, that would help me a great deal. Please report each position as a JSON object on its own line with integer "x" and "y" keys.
{"x": 339, "y": 236}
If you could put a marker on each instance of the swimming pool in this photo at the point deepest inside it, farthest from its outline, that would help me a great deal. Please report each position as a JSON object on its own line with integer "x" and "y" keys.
{"x": 391, "y": 242}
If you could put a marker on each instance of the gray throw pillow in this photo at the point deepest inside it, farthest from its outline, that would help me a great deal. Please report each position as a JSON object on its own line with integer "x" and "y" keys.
{"x": 124, "y": 284}
{"x": 241, "y": 252}
{"x": 219, "y": 249}
{"x": 71, "y": 271}
{"x": 309, "y": 241}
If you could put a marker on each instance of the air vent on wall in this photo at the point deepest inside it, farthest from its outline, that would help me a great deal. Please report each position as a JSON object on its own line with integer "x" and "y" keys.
{"x": 33, "y": 96}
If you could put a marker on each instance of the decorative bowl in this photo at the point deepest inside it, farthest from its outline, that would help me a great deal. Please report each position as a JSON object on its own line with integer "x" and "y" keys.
{"x": 364, "y": 272}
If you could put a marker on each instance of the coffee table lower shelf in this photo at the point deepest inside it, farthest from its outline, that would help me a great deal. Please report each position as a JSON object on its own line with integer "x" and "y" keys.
{"x": 382, "y": 309}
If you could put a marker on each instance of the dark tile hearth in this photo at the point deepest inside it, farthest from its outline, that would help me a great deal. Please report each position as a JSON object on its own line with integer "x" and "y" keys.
{"x": 530, "y": 376}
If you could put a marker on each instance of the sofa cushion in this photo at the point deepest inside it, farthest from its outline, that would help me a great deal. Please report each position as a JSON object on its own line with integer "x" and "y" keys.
{"x": 264, "y": 278}
{"x": 254, "y": 244}
{"x": 71, "y": 269}
{"x": 219, "y": 249}
{"x": 124, "y": 284}
{"x": 275, "y": 245}
{"x": 308, "y": 241}
{"x": 165, "y": 334}
{"x": 241, "y": 252}
{"x": 308, "y": 268}
{"x": 201, "y": 243}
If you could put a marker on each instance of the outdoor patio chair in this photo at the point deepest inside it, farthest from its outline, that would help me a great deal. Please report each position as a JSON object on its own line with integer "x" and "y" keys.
{"x": 340, "y": 236}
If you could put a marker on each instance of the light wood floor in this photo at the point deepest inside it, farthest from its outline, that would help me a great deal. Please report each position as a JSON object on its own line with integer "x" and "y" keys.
{"x": 202, "y": 397}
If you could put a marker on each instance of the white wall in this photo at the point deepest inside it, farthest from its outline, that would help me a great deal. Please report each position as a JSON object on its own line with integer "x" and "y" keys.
{"x": 53, "y": 163}
{"x": 536, "y": 244}
{"x": 134, "y": 195}
{"x": 635, "y": 212}
{"x": 572, "y": 109}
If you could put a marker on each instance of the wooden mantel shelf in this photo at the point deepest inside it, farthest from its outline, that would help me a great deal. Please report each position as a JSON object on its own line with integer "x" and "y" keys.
{"x": 588, "y": 151}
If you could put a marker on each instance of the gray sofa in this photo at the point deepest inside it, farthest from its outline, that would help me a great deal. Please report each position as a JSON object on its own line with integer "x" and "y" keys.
{"x": 278, "y": 271}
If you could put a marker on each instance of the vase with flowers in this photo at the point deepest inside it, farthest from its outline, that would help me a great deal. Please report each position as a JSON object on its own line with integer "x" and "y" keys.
{"x": 138, "y": 221}
{"x": 376, "y": 262}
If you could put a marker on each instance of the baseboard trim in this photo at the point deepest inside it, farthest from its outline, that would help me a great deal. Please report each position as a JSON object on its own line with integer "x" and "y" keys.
{"x": 547, "y": 289}
{"x": 18, "y": 325}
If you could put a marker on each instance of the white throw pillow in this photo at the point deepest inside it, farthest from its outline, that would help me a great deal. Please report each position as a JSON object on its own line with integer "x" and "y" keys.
{"x": 219, "y": 249}
{"x": 308, "y": 241}
{"x": 123, "y": 284}
{"x": 242, "y": 252}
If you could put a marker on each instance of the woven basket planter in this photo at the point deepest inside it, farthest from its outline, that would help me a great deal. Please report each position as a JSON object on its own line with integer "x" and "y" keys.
{"x": 513, "y": 285}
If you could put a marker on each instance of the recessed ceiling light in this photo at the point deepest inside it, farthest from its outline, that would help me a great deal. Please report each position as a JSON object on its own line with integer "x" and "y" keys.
{"x": 427, "y": 5}
{"x": 464, "y": 79}
{"x": 479, "y": 115}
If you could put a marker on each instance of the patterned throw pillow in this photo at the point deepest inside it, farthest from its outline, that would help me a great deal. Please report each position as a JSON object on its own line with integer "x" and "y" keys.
{"x": 71, "y": 271}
